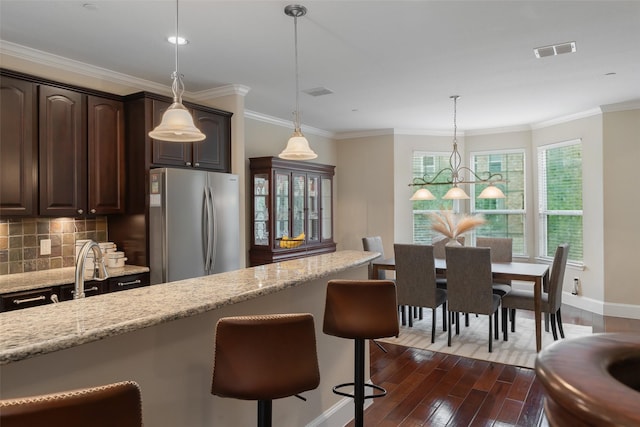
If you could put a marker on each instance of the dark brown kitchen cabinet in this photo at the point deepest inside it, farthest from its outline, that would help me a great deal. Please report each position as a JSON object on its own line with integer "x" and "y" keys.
{"x": 63, "y": 151}
{"x": 213, "y": 153}
{"x": 106, "y": 156}
{"x": 18, "y": 148}
{"x": 82, "y": 164}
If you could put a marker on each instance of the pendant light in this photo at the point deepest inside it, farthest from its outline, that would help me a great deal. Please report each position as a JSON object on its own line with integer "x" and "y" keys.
{"x": 177, "y": 124}
{"x": 298, "y": 147}
{"x": 455, "y": 169}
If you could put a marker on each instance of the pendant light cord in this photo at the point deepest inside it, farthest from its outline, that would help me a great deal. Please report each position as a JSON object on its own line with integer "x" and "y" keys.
{"x": 455, "y": 160}
{"x": 296, "y": 121}
{"x": 177, "y": 87}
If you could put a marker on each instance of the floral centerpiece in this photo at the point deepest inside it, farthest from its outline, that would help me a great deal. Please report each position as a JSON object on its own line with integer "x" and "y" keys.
{"x": 451, "y": 227}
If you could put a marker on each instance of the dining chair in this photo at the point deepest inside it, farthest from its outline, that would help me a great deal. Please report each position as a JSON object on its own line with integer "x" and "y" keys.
{"x": 551, "y": 300}
{"x": 470, "y": 287}
{"x": 501, "y": 251}
{"x": 416, "y": 282}
{"x": 116, "y": 404}
{"x": 374, "y": 244}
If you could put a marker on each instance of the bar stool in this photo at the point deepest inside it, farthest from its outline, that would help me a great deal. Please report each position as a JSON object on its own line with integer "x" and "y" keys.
{"x": 110, "y": 405}
{"x": 360, "y": 310}
{"x": 265, "y": 357}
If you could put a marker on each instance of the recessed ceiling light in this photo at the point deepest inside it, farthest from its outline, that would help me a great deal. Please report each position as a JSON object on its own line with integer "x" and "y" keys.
{"x": 554, "y": 49}
{"x": 90, "y": 6}
{"x": 181, "y": 40}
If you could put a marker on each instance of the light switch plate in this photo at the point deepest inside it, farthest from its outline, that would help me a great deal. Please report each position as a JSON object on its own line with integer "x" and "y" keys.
{"x": 45, "y": 247}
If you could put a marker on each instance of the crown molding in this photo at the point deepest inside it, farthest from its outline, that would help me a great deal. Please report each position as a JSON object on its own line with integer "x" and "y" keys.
{"x": 248, "y": 114}
{"x": 622, "y": 106}
{"x": 65, "y": 64}
{"x": 566, "y": 119}
{"x": 70, "y": 65}
{"x": 218, "y": 92}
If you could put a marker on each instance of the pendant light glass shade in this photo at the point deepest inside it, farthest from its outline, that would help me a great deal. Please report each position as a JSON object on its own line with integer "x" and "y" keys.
{"x": 177, "y": 124}
{"x": 297, "y": 147}
{"x": 423, "y": 194}
{"x": 455, "y": 193}
{"x": 491, "y": 192}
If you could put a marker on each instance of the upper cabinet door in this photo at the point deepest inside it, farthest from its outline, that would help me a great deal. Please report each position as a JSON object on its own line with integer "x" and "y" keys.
{"x": 168, "y": 153}
{"x": 18, "y": 148}
{"x": 214, "y": 152}
{"x": 63, "y": 156}
{"x": 105, "y": 156}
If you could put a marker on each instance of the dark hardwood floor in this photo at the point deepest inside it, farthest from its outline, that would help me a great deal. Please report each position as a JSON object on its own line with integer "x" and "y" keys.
{"x": 435, "y": 389}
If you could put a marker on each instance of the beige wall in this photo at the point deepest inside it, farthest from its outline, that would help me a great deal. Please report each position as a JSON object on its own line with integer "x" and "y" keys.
{"x": 365, "y": 204}
{"x": 621, "y": 200}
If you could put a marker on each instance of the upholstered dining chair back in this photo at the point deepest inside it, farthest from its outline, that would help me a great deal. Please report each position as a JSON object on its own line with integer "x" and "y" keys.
{"x": 415, "y": 275}
{"x": 501, "y": 247}
{"x": 557, "y": 277}
{"x": 469, "y": 280}
{"x": 116, "y": 404}
{"x": 439, "y": 244}
{"x": 374, "y": 244}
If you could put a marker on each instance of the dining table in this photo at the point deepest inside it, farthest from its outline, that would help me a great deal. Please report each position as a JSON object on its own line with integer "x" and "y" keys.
{"x": 537, "y": 274}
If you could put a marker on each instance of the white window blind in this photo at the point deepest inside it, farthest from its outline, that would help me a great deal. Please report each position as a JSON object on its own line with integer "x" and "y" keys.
{"x": 560, "y": 198}
{"x": 505, "y": 217}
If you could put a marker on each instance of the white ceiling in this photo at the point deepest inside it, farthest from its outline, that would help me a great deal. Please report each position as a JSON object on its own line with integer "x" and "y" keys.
{"x": 391, "y": 64}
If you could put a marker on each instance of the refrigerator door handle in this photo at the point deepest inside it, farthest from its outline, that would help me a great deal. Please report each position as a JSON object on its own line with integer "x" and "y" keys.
{"x": 207, "y": 228}
{"x": 213, "y": 237}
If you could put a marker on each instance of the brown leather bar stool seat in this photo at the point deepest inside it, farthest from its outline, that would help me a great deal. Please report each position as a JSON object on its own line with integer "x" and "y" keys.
{"x": 111, "y": 405}
{"x": 360, "y": 310}
{"x": 265, "y": 357}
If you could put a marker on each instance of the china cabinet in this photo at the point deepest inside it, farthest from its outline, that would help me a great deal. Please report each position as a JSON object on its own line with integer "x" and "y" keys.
{"x": 291, "y": 209}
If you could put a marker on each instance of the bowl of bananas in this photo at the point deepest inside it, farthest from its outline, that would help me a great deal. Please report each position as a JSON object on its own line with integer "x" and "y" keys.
{"x": 291, "y": 242}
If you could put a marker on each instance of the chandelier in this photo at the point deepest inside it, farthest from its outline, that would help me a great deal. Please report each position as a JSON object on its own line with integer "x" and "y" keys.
{"x": 454, "y": 176}
{"x": 297, "y": 147}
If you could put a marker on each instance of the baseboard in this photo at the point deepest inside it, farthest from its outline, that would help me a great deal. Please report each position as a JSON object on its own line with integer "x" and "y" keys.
{"x": 338, "y": 415}
{"x": 583, "y": 303}
{"x": 627, "y": 311}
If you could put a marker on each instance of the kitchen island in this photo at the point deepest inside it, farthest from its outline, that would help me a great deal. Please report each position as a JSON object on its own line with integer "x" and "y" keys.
{"x": 162, "y": 337}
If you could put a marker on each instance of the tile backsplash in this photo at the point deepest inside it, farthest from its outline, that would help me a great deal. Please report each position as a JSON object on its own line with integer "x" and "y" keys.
{"x": 20, "y": 242}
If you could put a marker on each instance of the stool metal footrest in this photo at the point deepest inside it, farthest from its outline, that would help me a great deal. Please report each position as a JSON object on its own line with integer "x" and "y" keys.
{"x": 382, "y": 391}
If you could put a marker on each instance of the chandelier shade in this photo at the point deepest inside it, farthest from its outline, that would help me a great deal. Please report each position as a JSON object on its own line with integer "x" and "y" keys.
{"x": 297, "y": 147}
{"x": 454, "y": 175}
{"x": 177, "y": 123}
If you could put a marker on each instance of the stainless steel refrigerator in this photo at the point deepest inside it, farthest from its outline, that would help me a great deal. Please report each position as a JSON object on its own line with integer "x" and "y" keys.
{"x": 194, "y": 224}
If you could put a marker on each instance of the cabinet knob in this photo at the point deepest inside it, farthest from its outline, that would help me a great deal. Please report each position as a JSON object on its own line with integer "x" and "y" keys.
{"x": 197, "y": 164}
{"x": 188, "y": 163}
{"x": 80, "y": 211}
{"x": 93, "y": 211}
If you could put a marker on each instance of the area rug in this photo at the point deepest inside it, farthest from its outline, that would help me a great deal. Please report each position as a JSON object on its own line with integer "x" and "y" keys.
{"x": 473, "y": 341}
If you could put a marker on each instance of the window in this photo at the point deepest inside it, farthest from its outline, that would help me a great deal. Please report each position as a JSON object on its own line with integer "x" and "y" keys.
{"x": 505, "y": 217}
{"x": 560, "y": 188}
{"x": 426, "y": 165}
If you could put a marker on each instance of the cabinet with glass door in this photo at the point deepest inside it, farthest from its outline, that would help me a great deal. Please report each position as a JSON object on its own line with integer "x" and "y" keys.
{"x": 292, "y": 209}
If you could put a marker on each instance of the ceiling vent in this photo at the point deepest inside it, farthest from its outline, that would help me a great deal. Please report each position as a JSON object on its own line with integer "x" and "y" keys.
{"x": 318, "y": 91}
{"x": 556, "y": 49}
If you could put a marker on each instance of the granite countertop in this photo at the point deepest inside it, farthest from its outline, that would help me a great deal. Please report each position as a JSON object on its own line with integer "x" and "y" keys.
{"x": 44, "y": 329}
{"x": 58, "y": 276}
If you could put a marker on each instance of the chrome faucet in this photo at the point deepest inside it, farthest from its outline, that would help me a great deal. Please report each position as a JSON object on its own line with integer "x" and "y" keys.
{"x": 99, "y": 271}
